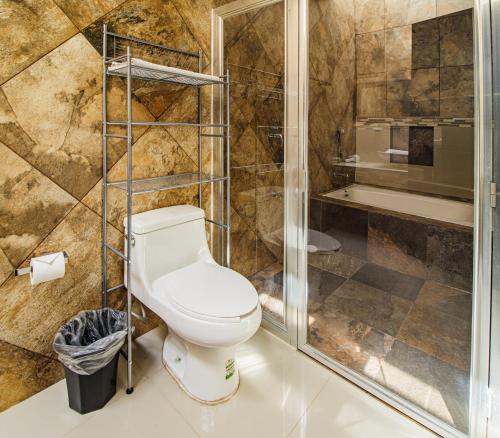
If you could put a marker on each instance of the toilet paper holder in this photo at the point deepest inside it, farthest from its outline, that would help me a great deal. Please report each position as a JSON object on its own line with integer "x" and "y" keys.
{"x": 27, "y": 269}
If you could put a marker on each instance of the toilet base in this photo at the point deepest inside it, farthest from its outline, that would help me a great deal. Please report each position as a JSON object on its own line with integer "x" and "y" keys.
{"x": 208, "y": 375}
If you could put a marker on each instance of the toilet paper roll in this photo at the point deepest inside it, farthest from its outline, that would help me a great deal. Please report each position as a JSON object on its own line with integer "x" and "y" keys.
{"x": 47, "y": 267}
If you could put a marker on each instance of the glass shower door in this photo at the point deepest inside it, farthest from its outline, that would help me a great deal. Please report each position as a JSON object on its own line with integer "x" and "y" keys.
{"x": 255, "y": 59}
{"x": 390, "y": 201}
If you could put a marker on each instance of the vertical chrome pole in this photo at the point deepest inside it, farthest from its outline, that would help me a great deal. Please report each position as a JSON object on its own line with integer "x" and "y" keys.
{"x": 130, "y": 387}
{"x": 200, "y": 118}
{"x": 104, "y": 252}
{"x": 228, "y": 171}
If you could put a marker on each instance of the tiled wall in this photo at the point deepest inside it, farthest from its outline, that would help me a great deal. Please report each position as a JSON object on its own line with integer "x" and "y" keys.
{"x": 420, "y": 248}
{"x": 332, "y": 92}
{"x": 415, "y": 93}
{"x": 414, "y": 61}
{"x": 255, "y": 58}
{"x": 50, "y": 172}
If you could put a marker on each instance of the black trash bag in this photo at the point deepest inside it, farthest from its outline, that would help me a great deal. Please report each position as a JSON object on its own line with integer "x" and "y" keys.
{"x": 91, "y": 339}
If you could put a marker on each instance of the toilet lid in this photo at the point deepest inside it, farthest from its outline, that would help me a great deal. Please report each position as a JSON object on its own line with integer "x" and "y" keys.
{"x": 209, "y": 289}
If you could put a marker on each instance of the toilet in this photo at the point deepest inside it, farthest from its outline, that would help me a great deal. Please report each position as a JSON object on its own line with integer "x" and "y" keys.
{"x": 209, "y": 309}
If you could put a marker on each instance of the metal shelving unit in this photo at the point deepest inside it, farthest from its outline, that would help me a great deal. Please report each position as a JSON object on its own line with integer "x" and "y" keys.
{"x": 117, "y": 60}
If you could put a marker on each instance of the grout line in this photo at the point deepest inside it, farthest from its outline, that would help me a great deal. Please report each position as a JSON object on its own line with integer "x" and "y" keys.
{"x": 41, "y": 57}
{"x": 31, "y": 352}
{"x": 185, "y": 418}
{"x": 313, "y": 400}
{"x": 41, "y": 242}
{"x": 434, "y": 357}
{"x": 35, "y": 166}
{"x": 207, "y": 56}
{"x": 93, "y": 21}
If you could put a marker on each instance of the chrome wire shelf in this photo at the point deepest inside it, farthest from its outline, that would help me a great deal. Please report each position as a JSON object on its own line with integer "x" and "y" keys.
{"x": 159, "y": 123}
{"x": 168, "y": 182}
{"x": 144, "y": 70}
{"x": 159, "y": 63}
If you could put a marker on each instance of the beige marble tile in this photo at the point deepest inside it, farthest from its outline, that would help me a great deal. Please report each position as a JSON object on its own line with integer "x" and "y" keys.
{"x": 30, "y": 29}
{"x": 315, "y": 12}
{"x": 243, "y": 246}
{"x": 82, "y": 13}
{"x": 370, "y": 53}
{"x": 369, "y": 15}
{"x": 321, "y": 133}
{"x": 197, "y": 15}
{"x": 30, "y": 315}
{"x": 24, "y": 373}
{"x": 6, "y": 267}
{"x": 57, "y": 104}
{"x": 319, "y": 46}
{"x": 184, "y": 108}
{"x": 156, "y": 153}
{"x": 445, "y": 7}
{"x": 272, "y": 16}
{"x": 236, "y": 24}
{"x": 31, "y": 205}
{"x": 371, "y": 96}
{"x": 244, "y": 148}
{"x": 243, "y": 193}
{"x": 401, "y": 12}
{"x": 398, "y": 49}
{"x": 152, "y": 20}
{"x": 420, "y": 10}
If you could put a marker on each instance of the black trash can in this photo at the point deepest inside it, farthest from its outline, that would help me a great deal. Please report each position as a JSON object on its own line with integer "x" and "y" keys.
{"x": 88, "y": 347}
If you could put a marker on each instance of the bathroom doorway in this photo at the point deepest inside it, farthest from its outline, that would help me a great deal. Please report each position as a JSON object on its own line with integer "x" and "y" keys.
{"x": 374, "y": 204}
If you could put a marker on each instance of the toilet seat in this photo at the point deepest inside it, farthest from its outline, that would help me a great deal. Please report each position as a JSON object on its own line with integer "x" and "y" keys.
{"x": 208, "y": 291}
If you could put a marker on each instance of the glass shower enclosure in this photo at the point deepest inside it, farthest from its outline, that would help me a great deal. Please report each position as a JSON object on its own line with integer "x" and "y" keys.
{"x": 361, "y": 179}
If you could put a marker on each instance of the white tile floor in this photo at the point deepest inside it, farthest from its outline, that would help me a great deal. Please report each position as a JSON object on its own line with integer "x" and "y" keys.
{"x": 283, "y": 393}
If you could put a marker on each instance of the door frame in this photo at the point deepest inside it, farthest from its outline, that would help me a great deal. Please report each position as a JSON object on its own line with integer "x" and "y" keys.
{"x": 493, "y": 396}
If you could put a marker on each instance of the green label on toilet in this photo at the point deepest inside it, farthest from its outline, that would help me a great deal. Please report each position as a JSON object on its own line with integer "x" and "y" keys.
{"x": 230, "y": 368}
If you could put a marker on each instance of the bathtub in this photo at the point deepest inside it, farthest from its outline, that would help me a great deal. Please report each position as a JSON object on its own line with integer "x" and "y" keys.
{"x": 439, "y": 209}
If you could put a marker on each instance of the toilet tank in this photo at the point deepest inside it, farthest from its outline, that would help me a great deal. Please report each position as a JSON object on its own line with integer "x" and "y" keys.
{"x": 164, "y": 240}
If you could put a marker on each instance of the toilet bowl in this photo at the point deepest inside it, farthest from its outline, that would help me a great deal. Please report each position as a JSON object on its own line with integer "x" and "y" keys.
{"x": 209, "y": 309}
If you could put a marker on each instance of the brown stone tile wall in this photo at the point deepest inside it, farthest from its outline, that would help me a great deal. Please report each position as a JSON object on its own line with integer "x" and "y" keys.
{"x": 255, "y": 57}
{"x": 429, "y": 251}
{"x": 332, "y": 91}
{"x": 415, "y": 59}
{"x": 50, "y": 172}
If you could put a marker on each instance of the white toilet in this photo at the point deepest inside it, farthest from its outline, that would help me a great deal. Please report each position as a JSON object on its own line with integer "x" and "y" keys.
{"x": 209, "y": 309}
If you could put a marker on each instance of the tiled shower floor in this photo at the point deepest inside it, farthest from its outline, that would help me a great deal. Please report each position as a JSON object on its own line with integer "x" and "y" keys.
{"x": 408, "y": 334}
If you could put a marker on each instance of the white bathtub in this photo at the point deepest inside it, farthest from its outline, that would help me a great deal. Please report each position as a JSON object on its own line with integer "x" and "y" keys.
{"x": 418, "y": 205}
